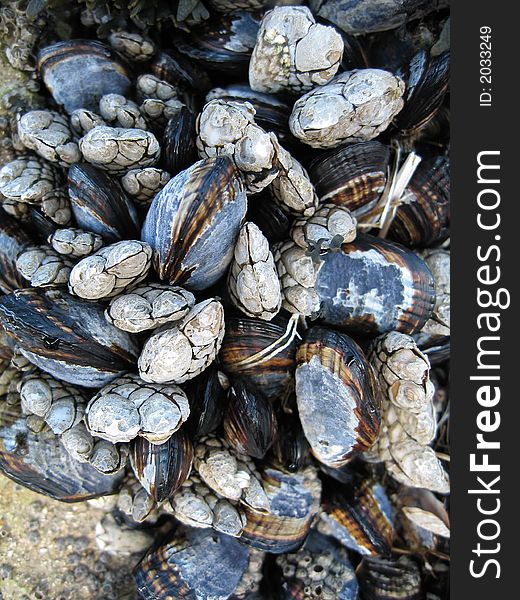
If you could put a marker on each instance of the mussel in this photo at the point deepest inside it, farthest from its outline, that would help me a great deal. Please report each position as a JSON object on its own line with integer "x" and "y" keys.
{"x": 180, "y": 71}
{"x": 294, "y": 501}
{"x": 207, "y": 400}
{"x": 66, "y": 337}
{"x": 192, "y": 563}
{"x": 260, "y": 353}
{"x": 100, "y": 205}
{"x": 359, "y": 516}
{"x": 385, "y": 578}
{"x": 79, "y": 72}
{"x": 422, "y": 218}
{"x": 179, "y": 150}
{"x": 250, "y": 421}
{"x": 373, "y": 286}
{"x": 193, "y": 223}
{"x": 353, "y": 176}
{"x": 224, "y": 43}
{"x": 162, "y": 468}
{"x": 13, "y": 241}
{"x": 338, "y": 396}
{"x": 41, "y": 463}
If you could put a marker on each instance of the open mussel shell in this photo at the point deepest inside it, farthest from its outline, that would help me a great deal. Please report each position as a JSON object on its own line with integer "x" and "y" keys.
{"x": 180, "y": 71}
{"x": 79, "y": 72}
{"x": 192, "y": 563}
{"x": 427, "y": 81}
{"x": 178, "y": 149}
{"x": 321, "y": 569}
{"x": 193, "y": 223}
{"x": 359, "y": 516}
{"x": 294, "y": 502}
{"x": 13, "y": 240}
{"x": 100, "y": 205}
{"x": 41, "y": 463}
{"x": 223, "y": 43}
{"x": 250, "y": 421}
{"x": 373, "y": 286}
{"x": 207, "y": 400}
{"x": 422, "y": 219}
{"x": 162, "y": 468}
{"x": 353, "y": 176}
{"x": 338, "y": 396}
{"x": 390, "y": 578}
{"x": 67, "y": 337}
{"x": 261, "y": 353}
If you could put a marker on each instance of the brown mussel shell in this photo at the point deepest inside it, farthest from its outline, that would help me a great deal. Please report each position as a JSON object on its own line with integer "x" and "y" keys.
{"x": 250, "y": 421}
{"x": 178, "y": 149}
{"x": 294, "y": 503}
{"x": 79, "y": 72}
{"x": 100, "y": 205}
{"x": 390, "y": 579}
{"x": 359, "y": 517}
{"x": 273, "y": 222}
{"x": 338, "y": 396}
{"x": 162, "y": 468}
{"x": 422, "y": 220}
{"x": 353, "y": 176}
{"x": 192, "y": 563}
{"x": 373, "y": 286}
{"x": 427, "y": 81}
{"x": 179, "y": 70}
{"x": 13, "y": 240}
{"x": 207, "y": 400}
{"x": 67, "y": 337}
{"x": 243, "y": 354}
{"x": 291, "y": 447}
{"x": 193, "y": 223}
{"x": 41, "y": 463}
{"x": 224, "y": 43}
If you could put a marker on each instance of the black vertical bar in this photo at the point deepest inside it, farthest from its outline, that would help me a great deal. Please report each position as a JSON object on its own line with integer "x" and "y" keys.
{"x": 484, "y": 124}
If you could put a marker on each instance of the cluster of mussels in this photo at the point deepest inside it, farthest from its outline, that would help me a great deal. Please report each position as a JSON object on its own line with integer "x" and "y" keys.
{"x": 224, "y": 276}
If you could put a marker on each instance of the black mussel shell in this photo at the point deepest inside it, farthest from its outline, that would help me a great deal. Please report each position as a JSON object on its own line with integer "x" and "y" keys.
{"x": 359, "y": 516}
{"x": 179, "y": 150}
{"x": 273, "y": 222}
{"x": 224, "y": 43}
{"x": 390, "y": 579}
{"x": 193, "y": 223}
{"x": 272, "y": 112}
{"x": 79, "y": 72}
{"x": 100, "y": 205}
{"x": 179, "y": 70}
{"x": 67, "y": 337}
{"x": 207, "y": 400}
{"x": 373, "y": 285}
{"x": 291, "y": 447}
{"x": 13, "y": 241}
{"x": 362, "y": 17}
{"x": 353, "y": 176}
{"x": 250, "y": 421}
{"x": 192, "y": 563}
{"x": 41, "y": 463}
{"x": 261, "y": 354}
{"x": 338, "y": 396}
{"x": 422, "y": 220}
{"x": 162, "y": 468}
{"x": 294, "y": 503}
{"x": 427, "y": 81}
